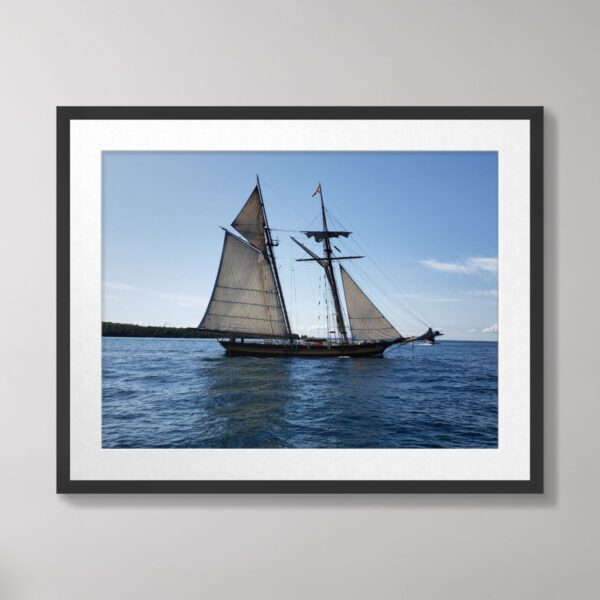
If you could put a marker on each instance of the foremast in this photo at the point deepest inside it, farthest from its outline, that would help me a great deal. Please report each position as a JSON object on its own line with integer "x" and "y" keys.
{"x": 270, "y": 256}
{"x": 247, "y": 299}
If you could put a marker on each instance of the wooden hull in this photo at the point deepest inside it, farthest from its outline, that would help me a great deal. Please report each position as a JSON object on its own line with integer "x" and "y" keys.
{"x": 304, "y": 350}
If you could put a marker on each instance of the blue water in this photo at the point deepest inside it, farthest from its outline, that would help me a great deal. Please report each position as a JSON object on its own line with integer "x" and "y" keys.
{"x": 185, "y": 393}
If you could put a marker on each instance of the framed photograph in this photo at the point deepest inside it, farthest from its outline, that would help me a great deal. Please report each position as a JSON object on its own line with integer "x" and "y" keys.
{"x": 302, "y": 300}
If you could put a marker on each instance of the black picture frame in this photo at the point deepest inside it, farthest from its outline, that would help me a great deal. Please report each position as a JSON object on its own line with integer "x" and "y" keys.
{"x": 64, "y": 483}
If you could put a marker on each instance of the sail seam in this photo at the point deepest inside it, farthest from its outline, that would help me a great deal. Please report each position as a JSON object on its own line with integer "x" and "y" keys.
{"x": 227, "y": 287}
{"x": 246, "y": 303}
{"x": 233, "y": 317}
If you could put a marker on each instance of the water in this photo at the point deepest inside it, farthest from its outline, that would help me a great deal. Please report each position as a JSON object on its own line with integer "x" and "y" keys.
{"x": 185, "y": 393}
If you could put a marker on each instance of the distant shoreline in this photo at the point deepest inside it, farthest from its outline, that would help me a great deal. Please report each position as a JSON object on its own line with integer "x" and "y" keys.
{"x": 110, "y": 329}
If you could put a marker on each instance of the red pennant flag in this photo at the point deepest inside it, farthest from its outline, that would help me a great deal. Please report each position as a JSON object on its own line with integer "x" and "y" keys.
{"x": 317, "y": 191}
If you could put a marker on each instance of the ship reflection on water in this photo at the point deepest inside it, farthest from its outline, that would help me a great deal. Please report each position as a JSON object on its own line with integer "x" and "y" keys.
{"x": 245, "y": 401}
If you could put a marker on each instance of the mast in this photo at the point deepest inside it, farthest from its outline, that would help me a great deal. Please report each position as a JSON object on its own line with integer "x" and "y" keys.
{"x": 270, "y": 255}
{"x": 331, "y": 273}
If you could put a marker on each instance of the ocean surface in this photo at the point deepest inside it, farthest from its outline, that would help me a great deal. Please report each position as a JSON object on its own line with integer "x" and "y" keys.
{"x": 185, "y": 393}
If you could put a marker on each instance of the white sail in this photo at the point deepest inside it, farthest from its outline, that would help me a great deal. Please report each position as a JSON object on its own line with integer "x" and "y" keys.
{"x": 245, "y": 300}
{"x": 366, "y": 321}
{"x": 251, "y": 221}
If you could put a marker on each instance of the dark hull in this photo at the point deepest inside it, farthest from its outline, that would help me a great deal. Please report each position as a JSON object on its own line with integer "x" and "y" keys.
{"x": 301, "y": 350}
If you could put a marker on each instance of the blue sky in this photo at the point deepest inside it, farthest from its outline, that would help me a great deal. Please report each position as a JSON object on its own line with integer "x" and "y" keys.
{"x": 426, "y": 221}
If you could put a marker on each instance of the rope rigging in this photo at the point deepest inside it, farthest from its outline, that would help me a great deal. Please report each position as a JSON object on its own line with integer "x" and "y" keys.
{"x": 411, "y": 306}
{"x": 408, "y": 304}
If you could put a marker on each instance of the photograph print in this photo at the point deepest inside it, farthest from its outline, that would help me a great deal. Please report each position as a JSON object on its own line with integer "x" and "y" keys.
{"x": 300, "y": 300}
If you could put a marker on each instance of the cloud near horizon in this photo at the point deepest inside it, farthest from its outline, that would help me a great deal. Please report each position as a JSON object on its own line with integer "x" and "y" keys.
{"x": 491, "y": 329}
{"x": 182, "y": 300}
{"x": 471, "y": 266}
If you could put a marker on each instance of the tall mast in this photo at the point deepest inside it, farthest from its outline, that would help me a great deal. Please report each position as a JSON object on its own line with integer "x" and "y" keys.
{"x": 270, "y": 255}
{"x": 331, "y": 273}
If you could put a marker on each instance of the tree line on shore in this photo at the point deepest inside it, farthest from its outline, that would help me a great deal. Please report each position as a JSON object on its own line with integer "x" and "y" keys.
{"x": 129, "y": 330}
{"x": 110, "y": 329}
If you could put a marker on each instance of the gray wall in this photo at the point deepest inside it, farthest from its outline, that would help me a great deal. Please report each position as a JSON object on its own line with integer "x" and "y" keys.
{"x": 389, "y": 53}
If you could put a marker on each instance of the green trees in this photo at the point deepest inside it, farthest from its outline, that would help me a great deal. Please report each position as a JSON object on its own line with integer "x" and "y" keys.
{"x": 129, "y": 330}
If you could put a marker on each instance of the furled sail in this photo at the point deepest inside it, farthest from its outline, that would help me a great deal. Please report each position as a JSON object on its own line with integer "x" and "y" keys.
{"x": 366, "y": 320}
{"x": 251, "y": 221}
{"x": 245, "y": 301}
{"x": 319, "y": 236}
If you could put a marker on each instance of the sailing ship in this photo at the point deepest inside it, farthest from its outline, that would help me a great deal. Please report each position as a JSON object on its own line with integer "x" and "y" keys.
{"x": 247, "y": 311}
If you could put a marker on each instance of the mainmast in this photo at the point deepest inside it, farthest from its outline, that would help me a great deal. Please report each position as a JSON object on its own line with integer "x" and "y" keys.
{"x": 327, "y": 262}
{"x": 339, "y": 317}
{"x": 270, "y": 254}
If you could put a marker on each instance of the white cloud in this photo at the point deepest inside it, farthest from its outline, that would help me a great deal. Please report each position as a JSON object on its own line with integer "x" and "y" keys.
{"x": 491, "y": 329}
{"x": 447, "y": 267}
{"x": 473, "y": 265}
{"x": 480, "y": 263}
{"x": 472, "y": 330}
{"x": 182, "y": 300}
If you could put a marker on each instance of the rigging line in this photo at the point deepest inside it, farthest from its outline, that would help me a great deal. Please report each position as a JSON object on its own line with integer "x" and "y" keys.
{"x": 320, "y": 307}
{"x": 424, "y": 317}
{"x": 295, "y": 297}
{"x": 394, "y": 311}
{"x": 325, "y": 288}
{"x": 326, "y": 306}
{"x": 392, "y": 299}
{"x": 392, "y": 307}
{"x": 417, "y": 310}
{"x": 372, "y": 256}
{"x": 412, "y": 312}
{"x": 288, "y": 203}
{"x": 291, "y": 296}
{"x": 384, "y": 300}
{"x": 391, "y": 303}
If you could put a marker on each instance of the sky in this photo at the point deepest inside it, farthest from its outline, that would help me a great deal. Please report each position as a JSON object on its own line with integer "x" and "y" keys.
{"x": 426, "y": 222}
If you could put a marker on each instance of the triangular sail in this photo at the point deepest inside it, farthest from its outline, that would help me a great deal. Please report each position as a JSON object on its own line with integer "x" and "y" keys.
{"x": 251, "y": 221}
{"x": 366, "y": 321}
{"x": 245, "y": 301}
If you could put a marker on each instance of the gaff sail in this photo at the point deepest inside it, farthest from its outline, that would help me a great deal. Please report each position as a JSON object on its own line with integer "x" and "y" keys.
{"x": 245, "y": 301}
{"x": 250, "y": 223}
{"x": 367, "y": 323}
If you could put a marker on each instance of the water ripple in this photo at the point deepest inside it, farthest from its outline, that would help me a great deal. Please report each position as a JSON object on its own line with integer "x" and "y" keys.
{"x": 184, "y": 393}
